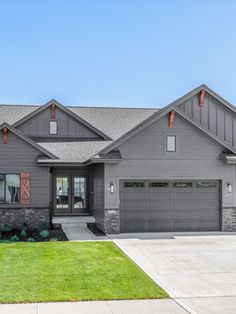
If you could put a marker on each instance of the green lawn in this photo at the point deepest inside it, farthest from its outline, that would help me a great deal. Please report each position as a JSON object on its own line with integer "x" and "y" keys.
{"x": 71, "y": 271}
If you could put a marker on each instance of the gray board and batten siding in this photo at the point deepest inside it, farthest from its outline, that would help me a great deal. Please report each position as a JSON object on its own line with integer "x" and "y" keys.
{"x": 38, "y": 127}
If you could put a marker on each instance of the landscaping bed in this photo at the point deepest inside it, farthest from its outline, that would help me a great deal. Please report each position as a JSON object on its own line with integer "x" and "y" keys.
{"x": 71, "y": 271}
{"x": 33, "y": 235}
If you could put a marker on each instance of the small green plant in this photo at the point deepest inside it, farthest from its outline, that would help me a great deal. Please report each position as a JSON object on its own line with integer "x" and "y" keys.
{"x": 6, "y": 228}
{"x": 23, "y": 233}
{"x": 24, "y": 226}
{"x": 53, "y": 239}
{"x": 43, "y": 225}
{"x": 31, "y": 239}
{"x": 14, "y": 238}
{"x": 44, "y": 234}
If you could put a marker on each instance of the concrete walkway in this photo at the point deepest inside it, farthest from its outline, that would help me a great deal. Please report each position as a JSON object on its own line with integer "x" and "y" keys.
{"x": 99, "y": 307}
{"x": 79, "y": 231}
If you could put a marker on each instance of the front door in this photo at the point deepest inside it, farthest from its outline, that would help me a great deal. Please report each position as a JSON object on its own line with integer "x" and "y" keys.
{"x": 71, "y": 195}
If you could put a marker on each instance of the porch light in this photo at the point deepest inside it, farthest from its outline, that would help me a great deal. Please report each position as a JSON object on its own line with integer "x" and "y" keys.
{"x": 111, "y": 187}
{"x": 229, "y": 188}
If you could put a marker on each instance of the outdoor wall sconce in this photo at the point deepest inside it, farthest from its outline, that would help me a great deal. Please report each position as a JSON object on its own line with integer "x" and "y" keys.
{"x": 111, "y": 187}
{"x": 229, "y": 188}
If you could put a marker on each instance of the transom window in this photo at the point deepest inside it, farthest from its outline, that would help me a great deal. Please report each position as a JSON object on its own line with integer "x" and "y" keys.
{"x": 182, "y": 184}
{"x": 134, "y": 184}
{"x": 158, "y": 184}
{"x": 171, "y": 143}
{"x": 9, "y": 188}
{"x": 53, "y": 127}
{"x": 206, "y": 184}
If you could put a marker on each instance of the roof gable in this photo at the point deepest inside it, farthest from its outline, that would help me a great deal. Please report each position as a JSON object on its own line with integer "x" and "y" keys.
{"x": 176, "y": 106}
{"x": 65, "y": 110}
{"x": 27, "y": 140}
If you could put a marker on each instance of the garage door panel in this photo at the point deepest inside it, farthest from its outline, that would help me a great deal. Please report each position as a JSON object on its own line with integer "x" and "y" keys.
{"x": 160, "y": 226}
{"x": 182, "y": 206}
{"x": 160, "y": 205}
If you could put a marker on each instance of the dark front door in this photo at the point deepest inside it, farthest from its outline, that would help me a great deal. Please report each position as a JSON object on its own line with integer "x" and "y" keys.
{"x": 71, "y": 195}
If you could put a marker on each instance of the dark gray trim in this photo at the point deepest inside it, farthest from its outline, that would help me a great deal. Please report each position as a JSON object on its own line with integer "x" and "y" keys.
{"x": 66, "y": 110}
{"x": 27, "y": 140}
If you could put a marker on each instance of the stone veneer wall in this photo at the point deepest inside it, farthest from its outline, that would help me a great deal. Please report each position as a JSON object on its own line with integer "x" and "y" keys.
{"x": 35, "y": 218}
{"x": 229, "y": 219}
{"x": 112, "y": 220}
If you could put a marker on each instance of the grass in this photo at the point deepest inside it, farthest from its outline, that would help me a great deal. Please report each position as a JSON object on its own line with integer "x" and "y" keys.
{"x": 71, "y": 271}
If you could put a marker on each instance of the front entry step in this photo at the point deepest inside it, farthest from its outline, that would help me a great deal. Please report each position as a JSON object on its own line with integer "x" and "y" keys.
{"x": 62, "y": 220}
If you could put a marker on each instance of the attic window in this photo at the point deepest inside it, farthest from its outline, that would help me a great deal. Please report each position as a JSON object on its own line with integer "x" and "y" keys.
{"x": 53, "y": 127}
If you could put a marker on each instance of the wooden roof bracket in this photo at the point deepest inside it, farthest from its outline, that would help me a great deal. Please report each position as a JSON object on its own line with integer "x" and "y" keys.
{"x": 53, "y": 111}
{"x": 5, "y": 135}
{"x": 171, "y": 119}
{"x": 202, "y": 98}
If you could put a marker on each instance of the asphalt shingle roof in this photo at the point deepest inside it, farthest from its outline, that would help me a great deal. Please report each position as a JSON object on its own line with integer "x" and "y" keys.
{"x": 114, "y": 122}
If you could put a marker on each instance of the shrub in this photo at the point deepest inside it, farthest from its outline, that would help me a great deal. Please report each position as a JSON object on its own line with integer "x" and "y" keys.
{"x": 43, "y": 225}
{"x": 24, "y": 226}
{"x": 14, "y": 238}
{"x": 53, "y": 240}
{"x": 44, "y": 234}
{"x": 31, "y": 240}
{"x": 23, "y": 233}
{"x": 6, "y": 228}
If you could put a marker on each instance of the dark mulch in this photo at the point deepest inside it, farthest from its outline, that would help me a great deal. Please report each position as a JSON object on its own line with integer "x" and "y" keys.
{"x": 92, "y": 227}
{"x": 33, "y": 233}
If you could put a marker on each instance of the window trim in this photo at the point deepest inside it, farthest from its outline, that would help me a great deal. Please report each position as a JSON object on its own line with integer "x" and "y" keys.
{"x": 167, "y": 150}
{"x": 56, "y": 122}
{"x": 5, "y": 188}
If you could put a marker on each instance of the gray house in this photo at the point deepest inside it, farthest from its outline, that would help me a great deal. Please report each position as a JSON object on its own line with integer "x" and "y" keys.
{"x": 133, "y": 170}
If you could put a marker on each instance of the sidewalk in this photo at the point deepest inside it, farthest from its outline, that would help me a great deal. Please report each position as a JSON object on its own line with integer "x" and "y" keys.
{"x": 165, "y": 306}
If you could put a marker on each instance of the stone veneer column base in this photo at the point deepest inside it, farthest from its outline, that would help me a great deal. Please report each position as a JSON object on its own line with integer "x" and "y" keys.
{"x": 112, "y": 220}
{"x": 35, "y": 218}
{"x": 229, "y": 219}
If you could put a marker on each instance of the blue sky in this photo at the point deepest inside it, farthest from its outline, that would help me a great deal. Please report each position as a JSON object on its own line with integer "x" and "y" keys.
{"x": 115, "y": 53}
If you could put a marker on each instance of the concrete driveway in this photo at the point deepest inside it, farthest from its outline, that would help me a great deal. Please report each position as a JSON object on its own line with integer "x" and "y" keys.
{"x": 199, "y": 272}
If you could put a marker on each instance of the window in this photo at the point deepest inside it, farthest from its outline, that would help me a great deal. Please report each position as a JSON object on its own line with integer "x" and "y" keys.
{"x": 182, "y": 184}
{"x": 206, "y": 184}
{"x": 171, "y": 143}
{"x": 158, "y": 184}
{"x": 9, "y": 188}
{"x": 134, "y": 184}
{"x": 53, "y": 127}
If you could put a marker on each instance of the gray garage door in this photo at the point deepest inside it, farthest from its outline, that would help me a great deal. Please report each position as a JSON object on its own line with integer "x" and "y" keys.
{"x": 148, "y": 206}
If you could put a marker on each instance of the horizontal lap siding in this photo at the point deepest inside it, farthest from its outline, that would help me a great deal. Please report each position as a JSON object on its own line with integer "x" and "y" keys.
{"x": 17, "y": 156}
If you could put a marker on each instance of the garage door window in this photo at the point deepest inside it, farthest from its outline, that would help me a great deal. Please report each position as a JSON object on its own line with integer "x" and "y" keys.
{"x": 182, "y": 184}
{"x": 134, "y": 184}
{"x": 206, "y": 184}
{"x": 158, "y": 184}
